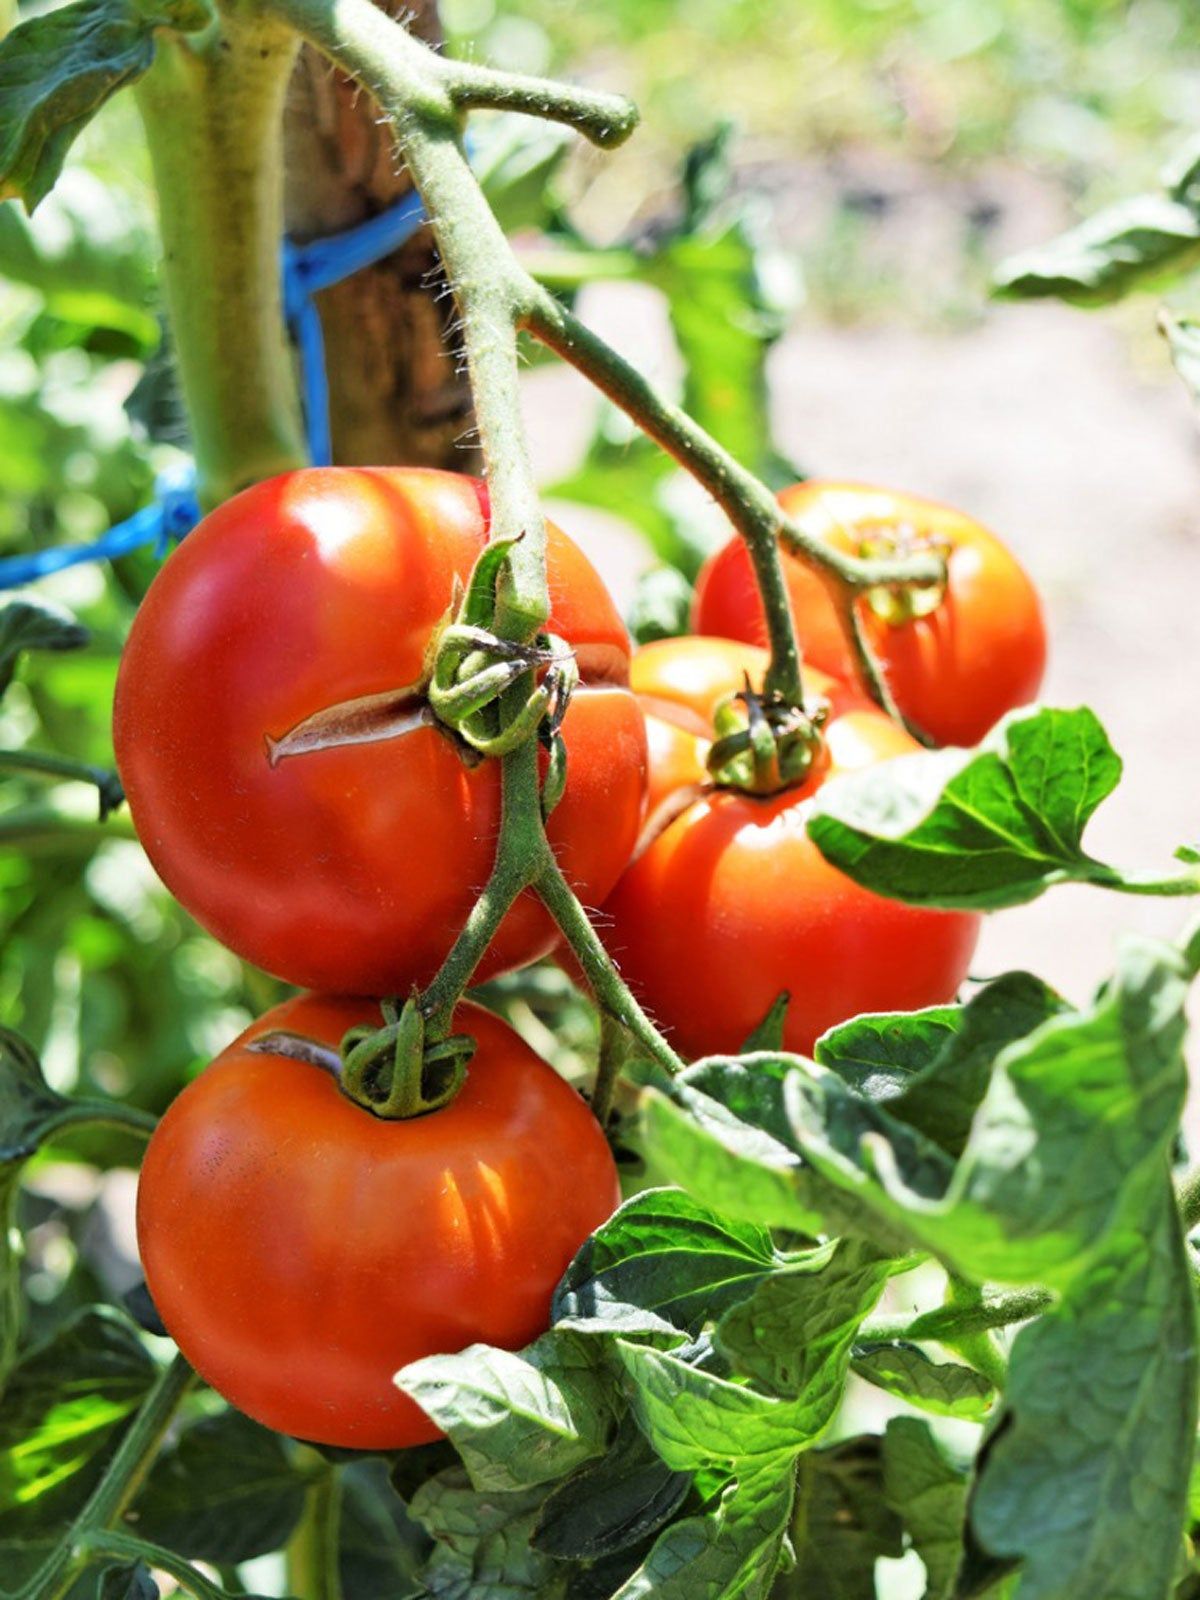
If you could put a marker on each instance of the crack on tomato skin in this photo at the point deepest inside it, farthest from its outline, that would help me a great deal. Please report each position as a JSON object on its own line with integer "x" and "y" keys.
{"x": 367, "y": 719}
{"x": 297, "y": 1047}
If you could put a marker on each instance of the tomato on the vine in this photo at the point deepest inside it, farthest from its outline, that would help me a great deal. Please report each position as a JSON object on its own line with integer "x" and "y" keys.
{"x": 351, "y": 865}
{"x": 730, "y": 904}
{"x": 300, "y": 1250}
{"x": 956, "y": 662}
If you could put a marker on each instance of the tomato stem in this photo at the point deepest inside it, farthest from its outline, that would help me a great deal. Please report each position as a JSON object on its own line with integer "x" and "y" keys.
{"x": 312, "y": 1551}
{"x": 212, "y": 106}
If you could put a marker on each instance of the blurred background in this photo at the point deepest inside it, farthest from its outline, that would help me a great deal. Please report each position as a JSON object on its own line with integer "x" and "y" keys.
{"x": 799, "y": 241}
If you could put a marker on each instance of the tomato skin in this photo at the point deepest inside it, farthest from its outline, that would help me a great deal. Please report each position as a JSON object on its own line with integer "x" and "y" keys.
{"x": 353, "y": 868}
{"x": 732, "y": 903}
{"x": 300, "y": 1250}
{"x": 981, "y": 651}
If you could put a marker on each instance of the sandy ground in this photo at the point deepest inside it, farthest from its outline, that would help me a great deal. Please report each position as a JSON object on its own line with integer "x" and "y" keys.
{"x": 1036, "y": 421}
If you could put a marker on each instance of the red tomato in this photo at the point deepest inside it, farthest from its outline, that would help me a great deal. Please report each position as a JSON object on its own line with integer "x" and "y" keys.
{"x": 732, "y": 904}
{"x": 955, "y": 672}
{"x": 351, "y": 867}
{"x": 301, "y": 1250}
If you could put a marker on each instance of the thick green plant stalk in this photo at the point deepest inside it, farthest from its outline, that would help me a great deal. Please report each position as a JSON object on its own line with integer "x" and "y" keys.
{"x": 212, "y": 106}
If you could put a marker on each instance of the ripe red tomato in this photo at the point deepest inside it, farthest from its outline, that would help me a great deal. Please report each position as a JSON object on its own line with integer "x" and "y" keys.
{"x": 954, "y": 672}
{"x": 351, "y": 867}
{"x": 731, "y": 903}
{"x": 301, "y": 1250}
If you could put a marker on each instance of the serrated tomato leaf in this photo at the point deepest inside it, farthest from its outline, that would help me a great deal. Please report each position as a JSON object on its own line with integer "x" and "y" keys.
{"x": 974, "y": 829}
{"x": 35, "y": 624}
{"x": 610, "y": 1504}
{"x": 925, "y": 1483}
{"x": 482, "y": 1543}
{"x": 842, "y": 1525}
{"x": 945, "y": 1388}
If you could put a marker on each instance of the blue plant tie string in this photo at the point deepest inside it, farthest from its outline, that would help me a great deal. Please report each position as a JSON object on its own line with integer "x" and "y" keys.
{"x": 306, "y": 270}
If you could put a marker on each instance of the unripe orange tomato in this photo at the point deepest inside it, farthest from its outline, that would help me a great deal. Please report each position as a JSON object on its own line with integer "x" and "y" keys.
{"x": 955, "y": 671}
{"x": 301, "y": 1250}
{"x": 351, "y": 866}
{"x": 731, "y": 903}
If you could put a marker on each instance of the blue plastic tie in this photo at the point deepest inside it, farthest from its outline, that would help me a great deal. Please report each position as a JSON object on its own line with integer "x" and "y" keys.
{"x": 306, "y": 269}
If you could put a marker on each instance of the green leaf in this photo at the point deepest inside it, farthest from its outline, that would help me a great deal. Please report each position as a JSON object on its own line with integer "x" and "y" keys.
{"x": 380, "y": 1548}
{"x": 943, "y": 1387}
{"x": 1087, "y": 1471}
{"x": 29, "y": 624}
{"x": 483, "y": 1543}
{"x": 697, "y": 1421}
{"x": 769, "y": 1033}
{"x": 1075, "y": 1114}
{"x": 611, "y": 1504}
{"x": 58, "y": 68}
{"x": 224, "y": 1491}
{"x": 663, "y": 1262}
{"x": 1136, "y": 244}
{"x": 65, "y": 1408}
{"x": 926, "y": 1484}
{"x": 842, "y": 1523}
{"x": 941, "y": 1100}
{"x": 127, "y": 1583}
{"x": 515, "y": 160}
{"x": 517, "y": 1419}
{"x": 878, "y": 1053}
{"x": 733, "y": 1553}
{"x": 792, "y": 1336}
{"x": 978, "y": 830}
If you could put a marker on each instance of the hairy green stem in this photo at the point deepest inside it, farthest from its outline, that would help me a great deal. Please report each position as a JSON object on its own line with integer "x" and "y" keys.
{"x": 978, "y": 1348}
{"x": 45, "y": 764}
{"x": 312, "y": 1551}
{"x": 949, "y": 1323}
{"x": 212, "y": 108}
{"x": 128, "y": 1547}
{"x": 121, "y": 1480}
{"x": 613, "y": 1047}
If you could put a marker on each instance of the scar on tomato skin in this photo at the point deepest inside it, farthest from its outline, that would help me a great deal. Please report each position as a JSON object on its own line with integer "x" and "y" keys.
{"x": 297, "y": 1047}
{"x": 365, "y": 720}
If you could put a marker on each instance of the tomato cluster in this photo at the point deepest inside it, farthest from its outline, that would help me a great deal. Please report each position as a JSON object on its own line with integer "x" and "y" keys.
{"x": 293, "y": 787}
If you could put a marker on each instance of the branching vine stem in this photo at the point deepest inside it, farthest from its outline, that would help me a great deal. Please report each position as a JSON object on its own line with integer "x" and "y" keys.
{"x": 425, "y": 97}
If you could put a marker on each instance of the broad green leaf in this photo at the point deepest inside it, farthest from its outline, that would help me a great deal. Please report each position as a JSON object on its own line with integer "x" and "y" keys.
{"x": 1075, "y": 1113}
{"x": 134, "y": 1582}
{"x": 975, "y": 829}
{"x": 663, "y": 1262}
{"x": 878, "y": 1053}
{"x": 941, "y": 1100}
{"x": 926, "y": 1485}
{"x": 792, "y": 1336}
{"x": 945, "y": 1388}
{"x": 732, "y": 1553}
{"x": 1087, "y": 1471}
{"x": 610, "y": 1504}
{"x": 516, "y": 1419}
{"x": 842, "y": 1524}
{"x": 34, "y": 624}
{"x": 1136, "y": 244}
{"x": 482, "y": 1543}
{"x": 224, "y": 1491}
{"x": 58, "y": 68}
{"x": 380, "y": 1548}
{"x": 65, "y": 1407}
{"x": 697, "y": 1421}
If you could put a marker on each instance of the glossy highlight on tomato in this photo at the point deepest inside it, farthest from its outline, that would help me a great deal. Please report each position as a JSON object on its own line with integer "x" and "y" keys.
{"x": 731, "y": 903}
{"x": 978, "y": 653}
{"x": 353, "y": 867}
{"x": 301, "y": 1250}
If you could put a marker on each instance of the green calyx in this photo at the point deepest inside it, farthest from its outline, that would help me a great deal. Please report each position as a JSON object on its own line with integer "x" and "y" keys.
{"x": 394, "y": 1072}
{"x": 764, "y": 745}
{"x": 901, "y": 603}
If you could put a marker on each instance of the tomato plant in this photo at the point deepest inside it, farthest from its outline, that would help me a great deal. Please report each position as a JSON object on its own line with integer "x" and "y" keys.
{"x": 732, "y": 904}
{"x": 955, "y": 658}
{"x": 301, "y": 1250}
{"x": 382, "y": 730}
{"x": 347, "y": 857}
